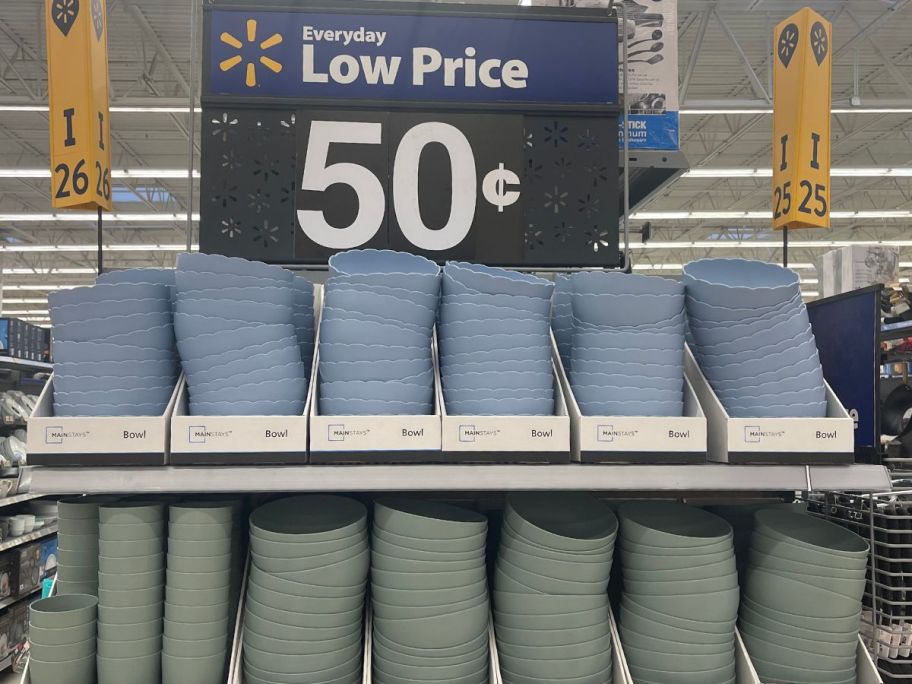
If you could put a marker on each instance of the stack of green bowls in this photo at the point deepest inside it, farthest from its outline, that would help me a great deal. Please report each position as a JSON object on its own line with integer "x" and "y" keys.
{"x": 197, "y": 593}
{"x": 305, "y": 594}
{"x": 550, "y": 583}
{"x": 802, "y": 599}
{"x": 77, "y": 544}
{"x": 131, "y": 589}
{"x": 680, "y": 600}
{"x": 429, "y": 593}
{"x": 62, "y": 640}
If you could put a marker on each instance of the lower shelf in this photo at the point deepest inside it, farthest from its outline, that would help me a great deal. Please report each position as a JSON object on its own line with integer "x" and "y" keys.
{"x": 378, "y": 478}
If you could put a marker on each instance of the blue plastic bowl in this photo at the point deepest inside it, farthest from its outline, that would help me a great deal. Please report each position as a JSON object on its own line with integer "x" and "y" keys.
{"x": 793, "y": 383}
{"x": 483, "y": 343}
{"x": 493, "y": 280}
{"x": 386, "y": 390}
{"x": 101, "y": 351}
{"x": 540, "y": 366}
{"x": 448, "y": 331}
{"x": 384, "y": 306}
{"x": 356, "y": 332}
{"x": 501, "y": 407}
{"x": 581, "y": 377}
{"x": 589, "y": 394}
{"x": 460, "y": 395}
{"x": 191, "y": 325}
{"x": 279, "y": 296}
{"x": 342, "y": 283}
{"x": 330, "y": 352}
{"x": 212, "y": 344}
{"x": 627, "y": 309}
{"x": 73, "y": 313}
{"x": 200, "y": 364}
{"x": 629, "y": 355}
{"x": 750, "y": 368}
{"x": 142, "y": 276}
{"x": 99, "y": 410}
{"x": 498, "y": 380}
{"x": 745, "y": 349}
{"x": 242, "y": 310}
{"x": 94, "y": 294}
{"x": 523, "y": 354}
{"x": 100, "y": 328}
{"x": 519, "y": 305}
{"x": 742, "y": 282}
{"x": 144, "y": 395}
{"x": 246, "y": 408}
{"x": 285, "y": 389}
{"x": 452, "y": 313}
{"x": 614, "y": 282}
{"x": 648, "y": 370}
{"x": 704, "y": 314}
{"x": 368, "y": 407}
{"x": 373, "y": 370}
{"x": 279, "y": 357}
{"x": 631, "y": 408}
{"x": 154, "y": 368}
{"x": 808, "y": 368}
{"x": 216, "y": 263}
{"x": 381, "y": 261}
{"x": 293, "y": 372}
{"x": 330, "y": 314}
{"x": 713, "y": 340}
{"x": 814, "y": 410}
{"x": 91, "y": 383}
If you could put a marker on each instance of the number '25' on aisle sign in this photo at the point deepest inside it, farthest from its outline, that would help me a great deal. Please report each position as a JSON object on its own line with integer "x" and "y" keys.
{"x": 77, "y": 47}
{"x": 802, "y": 84}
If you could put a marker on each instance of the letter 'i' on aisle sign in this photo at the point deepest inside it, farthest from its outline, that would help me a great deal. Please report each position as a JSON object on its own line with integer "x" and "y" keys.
{"x": 802, "y": 84}
{"x": 77, "y": 47}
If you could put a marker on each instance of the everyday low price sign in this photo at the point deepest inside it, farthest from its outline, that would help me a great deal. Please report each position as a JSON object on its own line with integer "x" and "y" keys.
{"x": 802, "y": 85}
{"x": 389, "y": 55}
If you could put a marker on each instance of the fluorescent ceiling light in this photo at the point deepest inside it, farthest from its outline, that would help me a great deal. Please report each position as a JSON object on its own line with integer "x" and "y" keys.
{"x": 16, "y": 288}
{"x": 24, "y": 300}
{"x": 764, "y": 244}
{"x": 116, "y": 173}
{"x": 138, "y": 247}
{"x": 149, "y": 110}
{"x": 769, "y": 110}
{"x": 711, "y": 215}
{"x": 76, "y": 217}
{"x": 25, "y": 312}
{"x": 861, "y": 172}
{"x": 47, "y": 271}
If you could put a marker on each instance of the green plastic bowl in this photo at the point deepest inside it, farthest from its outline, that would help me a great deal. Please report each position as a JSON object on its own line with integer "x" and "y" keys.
{"x": 80, "y": 671}
{"x": 195, "y": 614}
{"x": 216, "y": 547}
{"x": 131, "y": 598}
{"x": 125, "y": 632}
{"x": 122, "y": 582}
{"x": 274, "y": 630}
{"x": 131, "y": 549}
{"x": 197, "y": 631}
{"x": 291, "y": 588}
{"x": 658, "y": 629}
{"x": 197, "y": 648}
{"x": 137, "y": 564}
{"x": 315, "y": 620}
{"x": 200, "y": 532}
{"x": 300, "y": 648}
{"x": 198, "y": 563}
{"x": 313, "y": 517}
{"x": 667, "y": 524}
{"x": 62, "y": 652}
{"x": 428, "y": 519}
{"x": 562, "y": 520}
{"x": 464, "y": 545}
{"x": 201, "y": 513}
{"x": 338, "y": 659}
{"x": 142, "y": 670}
{"x": 70, "y": 610}
{"x": 138, "y": 648}
{"x": 197, "y": 581}
{"x": 130, "y": 616}
{"x": 61, "y": 636}
{"x": 127, "y": 512}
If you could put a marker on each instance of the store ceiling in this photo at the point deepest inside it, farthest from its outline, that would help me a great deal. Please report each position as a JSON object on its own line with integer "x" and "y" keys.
{"x": 725, "y": 127}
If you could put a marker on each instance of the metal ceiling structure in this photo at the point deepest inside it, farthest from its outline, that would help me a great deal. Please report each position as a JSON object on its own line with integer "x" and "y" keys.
{"x": 720, "y": 208}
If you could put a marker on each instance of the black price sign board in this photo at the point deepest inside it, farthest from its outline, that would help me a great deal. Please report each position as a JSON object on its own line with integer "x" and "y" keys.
{"x": 482, "y": 134}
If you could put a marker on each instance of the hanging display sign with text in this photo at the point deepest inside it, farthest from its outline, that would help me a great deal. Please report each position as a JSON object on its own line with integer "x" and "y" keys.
{"x": 802, "y": 86}
{"x": 77, "y": 55}
{"x": 456, "y": 132}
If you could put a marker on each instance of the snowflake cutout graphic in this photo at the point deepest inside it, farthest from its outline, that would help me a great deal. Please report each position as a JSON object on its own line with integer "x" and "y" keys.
{"x": 556, "y": 133}
{"x": 225, "y": 196}
{"x": 224, "y": 127}
{"x": 266, "y": 168}
{"x": 588, "y": 205}
{"x": 231, "y": 228}
{"x": 230, "y": 160}
{"x": 265, "y": 233}
{"x": 556, "y": 200}
{"x": 598, "y": 172}
{"x": 533, "y": 170}
{"x": 530, "y": 139}
{"x": 534, "y": 238}
{"x": 563, "y": 231}
{"x": 596, "y": 238}
{"x": 259, "y": 201}
{"x": 588, "y": 141}
{"x": 563, "y": 166}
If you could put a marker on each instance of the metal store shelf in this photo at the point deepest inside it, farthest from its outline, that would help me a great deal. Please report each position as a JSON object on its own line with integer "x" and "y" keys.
{"x": 378, "y": 478}
{"x": 24, "y": 364}
{"x": 11, "y": 600}
{"x": 17, "y": 498}
{"x": 26, "y": 538}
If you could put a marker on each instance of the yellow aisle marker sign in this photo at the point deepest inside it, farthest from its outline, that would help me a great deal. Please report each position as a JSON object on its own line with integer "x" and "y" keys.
{"x": 77, "y": 48}
{"x": 802, "y": 89}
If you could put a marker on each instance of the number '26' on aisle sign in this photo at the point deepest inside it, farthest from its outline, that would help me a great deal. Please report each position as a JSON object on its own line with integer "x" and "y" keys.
{"x": 77, "y": 48}
{"x": 802, "y": 84}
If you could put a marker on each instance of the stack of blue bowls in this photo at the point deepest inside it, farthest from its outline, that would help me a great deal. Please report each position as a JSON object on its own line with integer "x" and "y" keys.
{"x": 495, "y": 342}
{"x": 562, "y": 317}
{"x": 303, "y": 318}
{"x": 143, "y": 276}
{"x": 375, "y": 334}
{"x": 234, "y": 321}
{"x": 752, "y": 338}
{"x": 114, "y": 350}
{"x": 627, "y": 353}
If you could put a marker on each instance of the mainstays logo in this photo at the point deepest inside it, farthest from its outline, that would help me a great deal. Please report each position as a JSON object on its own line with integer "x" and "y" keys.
{"x": 55, "y": 434}
{"x": 339, "y": 433}
{"x": 198, "y": 434}
{"x": 754, "y": 435}
{"x": 469, "y": 433}
{"x": 607, "y": 433}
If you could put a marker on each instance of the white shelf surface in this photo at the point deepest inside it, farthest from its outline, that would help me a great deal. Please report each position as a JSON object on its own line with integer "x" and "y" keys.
{"x": 11, "y": 600}
{"x": 13, "y": 542}
{"x": 382, "y": 478}
{"x": 25, "y": 364}
{"x": 17, "y": 498}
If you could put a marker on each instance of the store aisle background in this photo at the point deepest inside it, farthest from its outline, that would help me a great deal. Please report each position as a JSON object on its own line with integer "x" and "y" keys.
{"x": 10, "y": 678}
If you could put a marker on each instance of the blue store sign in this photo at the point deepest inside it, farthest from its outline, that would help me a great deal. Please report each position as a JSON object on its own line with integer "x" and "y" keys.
{"x": 526, "y": 58}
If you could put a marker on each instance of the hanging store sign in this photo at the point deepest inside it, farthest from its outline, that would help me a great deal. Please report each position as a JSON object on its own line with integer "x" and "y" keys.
{"x": 77, "y": 49}
{"x": 397, "y": 55}
{"x": 802, "y": 85}
{"x": 478, "y": 133}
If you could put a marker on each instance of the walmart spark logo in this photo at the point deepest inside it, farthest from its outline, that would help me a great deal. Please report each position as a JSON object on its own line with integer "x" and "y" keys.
{"x": 231, "y": 62}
